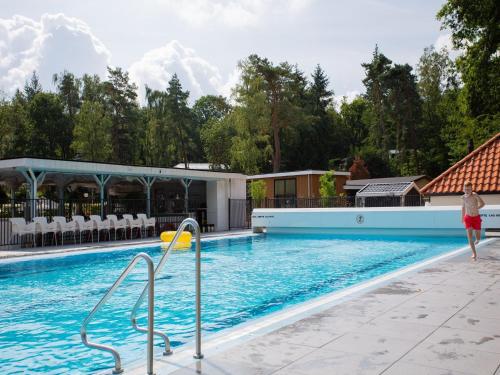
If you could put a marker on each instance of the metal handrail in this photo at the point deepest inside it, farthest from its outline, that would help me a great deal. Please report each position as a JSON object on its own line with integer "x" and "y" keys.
{"x": 194, "y": 224}
{"x": 150, "y": 287}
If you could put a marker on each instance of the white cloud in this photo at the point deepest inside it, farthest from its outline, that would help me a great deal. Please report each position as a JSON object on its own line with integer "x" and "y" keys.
{"x": 196, "y": 74}
{"x": 233, "y": 13}
{"x": 51, "y": 45}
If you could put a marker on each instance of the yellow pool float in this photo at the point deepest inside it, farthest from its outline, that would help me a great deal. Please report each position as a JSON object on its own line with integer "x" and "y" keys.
{"x": 184, "y": 241}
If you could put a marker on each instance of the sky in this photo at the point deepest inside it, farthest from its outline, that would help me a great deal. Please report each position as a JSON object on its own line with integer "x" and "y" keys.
{"x": 203, "y": 40}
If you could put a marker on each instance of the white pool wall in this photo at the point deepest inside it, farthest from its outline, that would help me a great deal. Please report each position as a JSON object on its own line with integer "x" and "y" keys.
{"x": 416, "y": 221}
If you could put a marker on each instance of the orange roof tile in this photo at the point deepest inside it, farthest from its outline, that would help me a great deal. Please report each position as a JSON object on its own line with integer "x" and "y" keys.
{"x": 481, "y": 167}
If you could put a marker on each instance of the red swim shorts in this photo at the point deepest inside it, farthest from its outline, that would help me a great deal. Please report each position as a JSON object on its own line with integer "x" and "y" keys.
{"x": 472, "y": 222}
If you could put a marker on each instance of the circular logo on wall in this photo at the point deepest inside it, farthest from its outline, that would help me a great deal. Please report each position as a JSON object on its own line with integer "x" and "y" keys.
{"x": 360, "y": 219}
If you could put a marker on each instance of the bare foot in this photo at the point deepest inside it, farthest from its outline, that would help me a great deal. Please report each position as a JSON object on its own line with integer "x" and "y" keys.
{"x": 476, "y": 242}
{"x": 474, "y": 257}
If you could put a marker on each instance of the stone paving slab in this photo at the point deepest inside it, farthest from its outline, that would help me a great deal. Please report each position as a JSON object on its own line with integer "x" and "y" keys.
{"x": 441, "y": 320}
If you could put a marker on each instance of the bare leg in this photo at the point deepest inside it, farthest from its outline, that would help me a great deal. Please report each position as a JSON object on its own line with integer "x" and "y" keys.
{"x": 478, "y": 236}
{"x": 471, "y": 243}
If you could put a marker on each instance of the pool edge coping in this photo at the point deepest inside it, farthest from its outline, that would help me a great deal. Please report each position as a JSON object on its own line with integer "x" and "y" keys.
{"x": 61, "y": 253}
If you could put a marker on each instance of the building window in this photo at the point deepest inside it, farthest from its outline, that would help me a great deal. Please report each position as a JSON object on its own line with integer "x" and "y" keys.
{"x": 285, "y": 188}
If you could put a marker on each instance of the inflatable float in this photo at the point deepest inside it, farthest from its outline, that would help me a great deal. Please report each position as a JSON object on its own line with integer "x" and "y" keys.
{"x": 184, "y": 241}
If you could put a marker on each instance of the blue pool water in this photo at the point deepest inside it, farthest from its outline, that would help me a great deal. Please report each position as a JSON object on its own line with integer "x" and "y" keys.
{"x": 43, "y": 302}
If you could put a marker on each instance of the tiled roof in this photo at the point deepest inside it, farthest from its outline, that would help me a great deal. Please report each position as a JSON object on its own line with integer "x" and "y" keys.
{"x": 481, "y": 167}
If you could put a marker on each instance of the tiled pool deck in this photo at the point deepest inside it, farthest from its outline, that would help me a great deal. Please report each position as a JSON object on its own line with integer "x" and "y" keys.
{"x": 443, "y": 319}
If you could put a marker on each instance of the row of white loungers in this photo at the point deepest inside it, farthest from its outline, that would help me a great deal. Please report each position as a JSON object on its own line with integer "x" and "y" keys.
{"x": 59, "y": 224}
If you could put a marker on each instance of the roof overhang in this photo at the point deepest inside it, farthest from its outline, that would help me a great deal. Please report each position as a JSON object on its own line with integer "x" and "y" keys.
{"x": 66, "y": 167}
{"x": 295, "y": 174}
{"x": 404, "y": 190}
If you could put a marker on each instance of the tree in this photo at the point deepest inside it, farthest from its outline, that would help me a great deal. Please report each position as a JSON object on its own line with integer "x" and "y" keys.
{"x": 355, "y": 120}
{"x": 278, "y": 86}
{"x": 92, "y": 133}
{"x": 216, "y": 137}
{"x": 317, "y": 131}
{"x": 474, "y": 27}
{"x": 68, "y": 89}
{"x": 405, "y": 114}
{"x": 93, "y": 89}
{"x": 258, "y": 190}
{"x": 180, "y": 119}
{"x": 210, "y": 107}
{"x": 120, "y": 98}
{"x": 376, "y": 93}
{"x": 15, "y": 127}
{"x": 50, "y": 127}
{"x": 32, "y": 87}
{"x": 327, "y": 186}
{"x": 436, "y": 79}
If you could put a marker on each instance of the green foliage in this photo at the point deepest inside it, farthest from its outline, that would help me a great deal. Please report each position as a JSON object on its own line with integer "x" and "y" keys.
{"x": 15, "y": 127}
{"x": 216, "y": 137}
{"x": 355, "y": 117}
{"x": 92, "y": 133}
{"x": 210, "y": 107}
{"x": 120, "y": 100}
{"x": 376, "y": 85}
{"x": 273, "y": 93}
{"x": 327, "y": 186}
{"x": 258, "y": 190}
{"x": 377, "y": 161}
{"x": 474, "y": 27}
{"x": 51, "y": 135}
{"x": 436, "y": 79}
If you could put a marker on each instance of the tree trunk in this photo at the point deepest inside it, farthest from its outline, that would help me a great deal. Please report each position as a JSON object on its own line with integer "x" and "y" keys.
{"x": 277, "y": 145}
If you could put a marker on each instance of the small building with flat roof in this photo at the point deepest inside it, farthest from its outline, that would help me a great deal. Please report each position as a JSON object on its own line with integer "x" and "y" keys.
{"x": 297, "y": 184}
{"x": 354, "y": 186}
{"x": 389, "y": 194}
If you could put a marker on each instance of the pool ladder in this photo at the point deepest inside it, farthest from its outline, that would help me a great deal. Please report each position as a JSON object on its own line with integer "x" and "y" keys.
{"x": 149, "y": 290}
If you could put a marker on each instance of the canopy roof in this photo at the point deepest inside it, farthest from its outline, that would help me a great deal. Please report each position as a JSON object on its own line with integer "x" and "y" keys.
{"x": 386, "y": 189}
{"x": 12, "y": 171}
{"x": 359, "y": 184}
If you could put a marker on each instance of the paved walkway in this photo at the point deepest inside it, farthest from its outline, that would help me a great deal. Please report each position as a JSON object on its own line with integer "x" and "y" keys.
{"x": 441, "y": 320}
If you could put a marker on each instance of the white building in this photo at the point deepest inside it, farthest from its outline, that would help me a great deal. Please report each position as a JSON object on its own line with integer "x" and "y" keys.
{"x": 159, "y": 192}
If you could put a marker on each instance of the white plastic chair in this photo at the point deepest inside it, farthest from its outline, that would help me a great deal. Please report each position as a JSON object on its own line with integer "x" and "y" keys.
{"x": 100, "y": 225}
{"x": 148, "y": 223}
{"x": 43, "y": 227}
{"x": 84, "y": 226}
{"x": 64, "y": 226}
{"x": 20, "y": 228}
{"x": 116, "y": 224}
{"x": 133, "y": 223}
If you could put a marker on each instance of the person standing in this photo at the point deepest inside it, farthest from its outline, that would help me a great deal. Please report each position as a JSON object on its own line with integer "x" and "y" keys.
{"x": 471, "y": 204}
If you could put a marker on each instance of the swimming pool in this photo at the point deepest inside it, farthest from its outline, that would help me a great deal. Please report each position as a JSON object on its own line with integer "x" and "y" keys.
{"x": 43, "y": 302}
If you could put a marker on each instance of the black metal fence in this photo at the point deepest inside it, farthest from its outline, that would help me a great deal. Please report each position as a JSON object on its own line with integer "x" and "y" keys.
{"x": 240, "y": 210}
{"x": 168, "y": 213}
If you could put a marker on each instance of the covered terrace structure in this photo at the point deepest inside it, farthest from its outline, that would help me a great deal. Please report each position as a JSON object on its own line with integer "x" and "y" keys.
{"x": 46, "y": 187}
